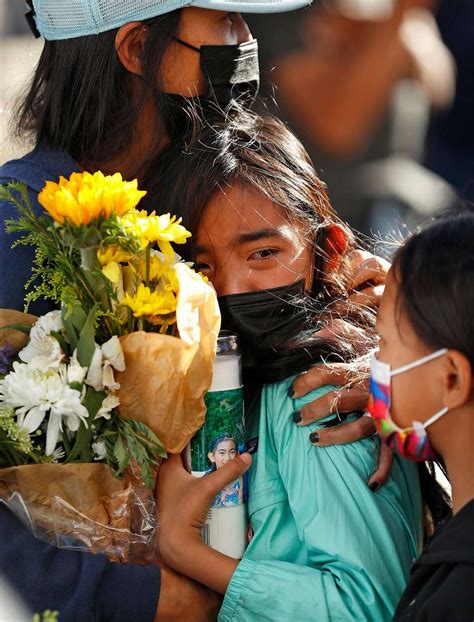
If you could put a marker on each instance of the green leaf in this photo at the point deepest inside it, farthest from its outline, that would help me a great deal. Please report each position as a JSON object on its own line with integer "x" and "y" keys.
{"x": 81, "y": 448}
{"x": 121, "y": 454}
{"x": 86, "y": 345}
{"x": 93, "y": 401}
{"x": 72, "y": 333}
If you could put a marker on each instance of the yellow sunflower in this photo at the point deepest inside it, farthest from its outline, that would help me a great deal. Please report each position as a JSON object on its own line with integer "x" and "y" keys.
{"x": 85, "y": 197}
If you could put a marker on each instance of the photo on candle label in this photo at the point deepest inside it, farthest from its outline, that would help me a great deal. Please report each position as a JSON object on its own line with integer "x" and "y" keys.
{"x": 222, "y": 449}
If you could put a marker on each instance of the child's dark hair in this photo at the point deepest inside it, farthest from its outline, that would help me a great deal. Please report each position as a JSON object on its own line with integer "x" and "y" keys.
{"x": 217, "y": 440}
{"x": 435, "y": 276}
{"x": 434, "y": 271}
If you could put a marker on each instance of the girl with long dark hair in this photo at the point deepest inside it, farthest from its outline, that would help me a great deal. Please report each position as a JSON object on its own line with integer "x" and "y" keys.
{"x": 324, "y": 546}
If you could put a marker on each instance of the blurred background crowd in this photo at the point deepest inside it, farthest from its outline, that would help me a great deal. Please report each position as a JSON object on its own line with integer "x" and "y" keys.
{"x": 380, "y": 91}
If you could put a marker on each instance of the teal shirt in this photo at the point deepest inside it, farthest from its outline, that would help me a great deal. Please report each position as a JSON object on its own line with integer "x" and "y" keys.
{"x": 324, "y": 547}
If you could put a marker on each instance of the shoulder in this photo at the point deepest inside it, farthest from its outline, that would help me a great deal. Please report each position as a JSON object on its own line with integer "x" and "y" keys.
{"x": 39, "y": 165}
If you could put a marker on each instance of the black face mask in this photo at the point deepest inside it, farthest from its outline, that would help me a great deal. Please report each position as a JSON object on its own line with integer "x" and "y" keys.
{"x": 264, "y": 319}
{"x": 231, "y": 71}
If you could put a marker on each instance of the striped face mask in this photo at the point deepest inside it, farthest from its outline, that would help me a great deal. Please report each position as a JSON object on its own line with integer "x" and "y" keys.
{"x": 412, "y": 442}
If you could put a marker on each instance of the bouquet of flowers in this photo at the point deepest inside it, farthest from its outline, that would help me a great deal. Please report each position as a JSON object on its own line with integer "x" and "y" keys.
{"x": 94, "y": 394}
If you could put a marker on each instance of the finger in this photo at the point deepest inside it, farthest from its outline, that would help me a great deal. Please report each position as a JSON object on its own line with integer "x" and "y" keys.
{"x": 216, "y": 481}
{"x": 368, "y": 297}
{"x": 316, "y": 377}
{"x": 346, "y": 400}
{"x": 381, "y": 475}
{"x": 367, "y": 267}
{"x": 343, "y": 434}
{"x": 171, "y": 469}
{"x": 339, "y": 328}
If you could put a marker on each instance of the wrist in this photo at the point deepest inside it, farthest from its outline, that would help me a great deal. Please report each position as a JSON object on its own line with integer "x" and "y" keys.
{"x": 194, "y": 559}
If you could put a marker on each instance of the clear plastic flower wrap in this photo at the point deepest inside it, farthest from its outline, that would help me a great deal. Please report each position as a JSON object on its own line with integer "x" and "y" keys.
{"x": 83, "y": 507}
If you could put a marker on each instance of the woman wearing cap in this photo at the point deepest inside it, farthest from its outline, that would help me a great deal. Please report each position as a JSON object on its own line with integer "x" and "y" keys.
{"x": 107, "y": 94}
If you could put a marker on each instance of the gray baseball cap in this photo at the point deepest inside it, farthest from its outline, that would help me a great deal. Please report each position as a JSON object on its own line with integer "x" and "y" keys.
{"x": 66, "y": 19}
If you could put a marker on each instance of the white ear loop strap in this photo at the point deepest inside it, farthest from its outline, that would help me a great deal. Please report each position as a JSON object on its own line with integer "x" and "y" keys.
{"x": 434, "y": 418}
{"x": 425, "y": 359}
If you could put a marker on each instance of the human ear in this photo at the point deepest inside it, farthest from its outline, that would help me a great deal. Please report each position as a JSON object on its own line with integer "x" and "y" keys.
{"x": 129, "y": 44}
{"x": 336, "y": 243}
{"x": 210, "y": 455}
{"x": 458, "y": 387}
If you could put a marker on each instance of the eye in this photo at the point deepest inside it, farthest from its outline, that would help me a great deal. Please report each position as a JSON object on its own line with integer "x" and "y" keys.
{"x": 264, "y": 253}
{"x": 201, "y": 266}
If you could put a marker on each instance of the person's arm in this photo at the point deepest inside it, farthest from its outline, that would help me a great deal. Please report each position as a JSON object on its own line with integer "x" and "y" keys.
{"x": 339, "y": 86}
{"x": 82, "y": 586}
{"x": 349, "y": 547}
{"x": 368, "y": 281}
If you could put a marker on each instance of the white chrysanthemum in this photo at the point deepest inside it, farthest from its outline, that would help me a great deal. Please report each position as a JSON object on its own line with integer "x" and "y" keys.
{"x": 43, "y": 351}
{"x": 106, "y": 358}
{"x": 108, "y": 404}
{"x": 38, "y": 394}
{"x": 100, "y": 453}
{"x": 75, "y": 371}
{"x": 51, "y": 322}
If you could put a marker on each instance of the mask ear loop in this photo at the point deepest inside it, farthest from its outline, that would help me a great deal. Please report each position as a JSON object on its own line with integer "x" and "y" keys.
{"x": 419, "y": 362}
{"x": 187, "y": 45}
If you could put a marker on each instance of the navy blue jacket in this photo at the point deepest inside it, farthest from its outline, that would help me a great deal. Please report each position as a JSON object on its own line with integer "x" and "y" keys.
{"x": 34, "y": 169}
{"x": 81, "y": 586}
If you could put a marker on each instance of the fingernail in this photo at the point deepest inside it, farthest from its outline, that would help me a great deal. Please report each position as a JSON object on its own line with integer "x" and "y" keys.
{"x": 296, "y": 417}
{"x": 291, "y": 391}
{"x": 314, "y": 437}
{"x": 374, "y": 486}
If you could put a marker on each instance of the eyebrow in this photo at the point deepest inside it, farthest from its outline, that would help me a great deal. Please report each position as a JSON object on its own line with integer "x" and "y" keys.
{"x": 252, "y": 236}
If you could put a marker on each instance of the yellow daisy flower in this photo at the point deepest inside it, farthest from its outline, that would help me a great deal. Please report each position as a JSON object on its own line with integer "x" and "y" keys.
{"x": 150, "y": 228}
{"x": 85, "y": 197}
{"x": 148, "y": 304}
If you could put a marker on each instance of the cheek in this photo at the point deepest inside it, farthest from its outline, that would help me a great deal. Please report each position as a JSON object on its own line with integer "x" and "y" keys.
{"x": 412, "y": 398}
{"x": 180, "y": 72}
{"x": 404, "y": 401}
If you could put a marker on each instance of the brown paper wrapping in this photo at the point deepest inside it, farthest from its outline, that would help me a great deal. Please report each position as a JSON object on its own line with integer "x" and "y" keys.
{"x": 81, "y": 506}
{"x": 14, "y": 338}
{"x": 166, "y": 378}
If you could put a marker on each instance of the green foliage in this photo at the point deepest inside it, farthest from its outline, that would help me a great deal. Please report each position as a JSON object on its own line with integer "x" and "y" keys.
{"x": 46, "y": 616}
{"x": 15, "y": 443}
{"x": 86, "y": 342}
{"x": 133, "y": 441}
